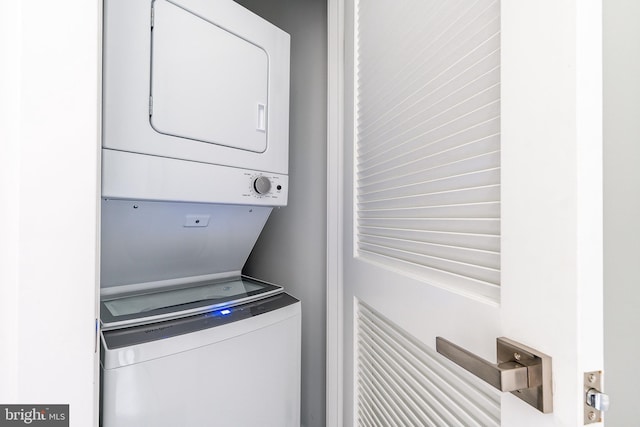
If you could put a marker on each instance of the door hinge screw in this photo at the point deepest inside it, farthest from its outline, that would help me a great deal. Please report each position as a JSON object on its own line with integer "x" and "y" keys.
{"x": 592, "y": 378}
{"x": 592, "y": 416}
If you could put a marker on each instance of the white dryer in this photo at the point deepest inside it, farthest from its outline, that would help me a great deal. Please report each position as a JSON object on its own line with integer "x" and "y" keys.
{"x": 195, "y": 103}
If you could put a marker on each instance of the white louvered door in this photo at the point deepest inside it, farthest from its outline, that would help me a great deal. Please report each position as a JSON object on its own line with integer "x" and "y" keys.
{"x": 470, "y": 205}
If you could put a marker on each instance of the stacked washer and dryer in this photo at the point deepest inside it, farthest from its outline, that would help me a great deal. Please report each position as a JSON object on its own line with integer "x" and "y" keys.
{"x": 194, "y": 159}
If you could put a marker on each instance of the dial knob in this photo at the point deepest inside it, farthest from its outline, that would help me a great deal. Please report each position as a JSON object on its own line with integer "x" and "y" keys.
{"x": 262, "y": 185}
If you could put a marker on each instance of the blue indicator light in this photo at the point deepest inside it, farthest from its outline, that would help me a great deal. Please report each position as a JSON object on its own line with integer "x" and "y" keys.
{"x": 225, "y": 312}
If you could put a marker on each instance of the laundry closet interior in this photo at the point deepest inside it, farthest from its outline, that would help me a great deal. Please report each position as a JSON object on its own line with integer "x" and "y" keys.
{"x": 213, "y": 221}
{"x": 291, "y": 250}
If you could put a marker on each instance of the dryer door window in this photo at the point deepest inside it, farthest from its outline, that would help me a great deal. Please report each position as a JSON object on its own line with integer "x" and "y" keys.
{"x": 216, "y": 93}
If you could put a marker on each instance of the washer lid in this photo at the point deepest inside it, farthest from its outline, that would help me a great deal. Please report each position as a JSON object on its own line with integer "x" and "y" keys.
{"x": 146, "y": 242}
{"x": 207, "y": 84}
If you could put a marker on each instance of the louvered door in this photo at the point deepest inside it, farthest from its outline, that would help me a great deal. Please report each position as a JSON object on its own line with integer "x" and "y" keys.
{"x": 470, "y": 204}
{"x": 428, "y": 142}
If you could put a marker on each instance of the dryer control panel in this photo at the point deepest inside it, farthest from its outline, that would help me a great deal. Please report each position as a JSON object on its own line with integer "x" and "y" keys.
{"x": 138, "y": 177}
{"x": 262, "y": 186}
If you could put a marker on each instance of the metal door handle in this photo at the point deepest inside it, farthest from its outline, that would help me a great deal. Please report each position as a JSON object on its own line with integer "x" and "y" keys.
{"x": 520, "y": 369}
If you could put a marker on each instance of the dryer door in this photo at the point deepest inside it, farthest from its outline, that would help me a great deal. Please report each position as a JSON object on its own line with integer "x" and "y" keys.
{"x": 207, "y": 84}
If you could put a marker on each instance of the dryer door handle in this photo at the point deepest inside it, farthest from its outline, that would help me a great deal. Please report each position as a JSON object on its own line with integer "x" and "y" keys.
{"x": 262, "y": 118}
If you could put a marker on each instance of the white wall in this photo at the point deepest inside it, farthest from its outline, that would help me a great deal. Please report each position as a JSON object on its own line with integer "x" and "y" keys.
{"x": 622, "y": 208}
{"x": 10, "y": 40}
{"x": 291, "y": 249}
{"x": 49, "y": 124}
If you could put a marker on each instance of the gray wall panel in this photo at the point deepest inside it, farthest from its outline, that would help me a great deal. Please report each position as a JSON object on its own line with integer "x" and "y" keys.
{"x": 621, "y": 207}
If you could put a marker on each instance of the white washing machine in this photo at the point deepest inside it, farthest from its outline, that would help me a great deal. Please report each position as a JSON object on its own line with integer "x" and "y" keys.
{"x": 186, "y": 340}
{"x": 194, "y": 158}
{"x": 228, "y": 354}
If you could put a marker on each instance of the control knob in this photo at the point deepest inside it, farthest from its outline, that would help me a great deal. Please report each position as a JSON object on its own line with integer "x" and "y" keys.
{"x": 262, "y": 185}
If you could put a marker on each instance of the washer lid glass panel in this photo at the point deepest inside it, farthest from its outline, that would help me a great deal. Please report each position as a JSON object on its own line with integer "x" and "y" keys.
{"x": 168, "y": 304}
